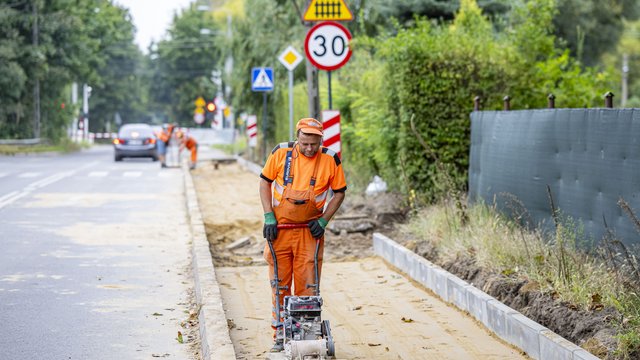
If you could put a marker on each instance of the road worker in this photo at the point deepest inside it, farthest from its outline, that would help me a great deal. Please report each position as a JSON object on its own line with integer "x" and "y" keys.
{"x": 313, "y": 172}
{"x": 163, "y": 141}
{"x": 187, "y": 141}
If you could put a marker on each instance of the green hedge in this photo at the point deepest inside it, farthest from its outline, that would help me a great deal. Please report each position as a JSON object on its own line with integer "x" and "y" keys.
{"x": 431, "y": 74}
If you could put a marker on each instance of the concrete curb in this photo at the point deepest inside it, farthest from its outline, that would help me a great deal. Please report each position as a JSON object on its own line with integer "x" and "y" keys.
{"x": 513, "y": 327}
{"x": 215, "y": 341}
{"x": 248, "y": 165}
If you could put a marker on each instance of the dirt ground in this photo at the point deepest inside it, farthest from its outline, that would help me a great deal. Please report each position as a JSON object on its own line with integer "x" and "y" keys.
{"x": 375, "y": 311}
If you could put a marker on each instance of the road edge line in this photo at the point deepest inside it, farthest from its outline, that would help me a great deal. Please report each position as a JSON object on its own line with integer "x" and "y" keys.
{"x": 215, "y": 340}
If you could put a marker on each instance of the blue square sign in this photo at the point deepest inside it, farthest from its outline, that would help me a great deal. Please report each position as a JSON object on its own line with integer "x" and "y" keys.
{"x": 262, "y": 79}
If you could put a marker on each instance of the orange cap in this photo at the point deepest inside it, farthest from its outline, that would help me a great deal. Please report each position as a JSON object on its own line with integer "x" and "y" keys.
{"x": 310, "y": 126}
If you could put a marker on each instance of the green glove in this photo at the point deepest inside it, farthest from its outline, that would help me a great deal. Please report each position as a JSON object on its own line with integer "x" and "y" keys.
{"x": 317, "y": 227}
{"x": 270, "y": 218}
{"x": 270, "y": 228}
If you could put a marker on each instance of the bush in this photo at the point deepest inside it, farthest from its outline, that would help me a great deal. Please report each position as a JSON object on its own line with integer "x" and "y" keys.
{"x": 408, "y": 98}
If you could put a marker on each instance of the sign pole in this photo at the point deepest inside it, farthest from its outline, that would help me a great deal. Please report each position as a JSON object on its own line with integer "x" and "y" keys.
{"x": 264, "y": 126}
{"x": 262, "y": 81}
{"x": 329, "y": 86}
{"x": 290, "y": 58}
{"x": 290, "y": 105}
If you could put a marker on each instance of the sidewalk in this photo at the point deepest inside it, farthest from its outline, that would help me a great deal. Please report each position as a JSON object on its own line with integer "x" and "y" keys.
{"x": 538, "y": 341}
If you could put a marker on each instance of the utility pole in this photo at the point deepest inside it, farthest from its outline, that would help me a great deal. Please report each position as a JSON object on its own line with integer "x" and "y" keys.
{"x": 36, "y": 85}
{"x": 86, "y": 93}
{"x": 625, "y": 76}
{"x": 312, "y": 82}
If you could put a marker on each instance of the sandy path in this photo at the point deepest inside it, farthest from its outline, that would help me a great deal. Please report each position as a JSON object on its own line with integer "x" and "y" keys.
{"x": 375, "y": 311}
{"x": 366, "y": 302}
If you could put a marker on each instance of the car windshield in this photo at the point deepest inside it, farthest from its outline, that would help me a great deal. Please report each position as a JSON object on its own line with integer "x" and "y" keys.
{"x": 136, "y": 131}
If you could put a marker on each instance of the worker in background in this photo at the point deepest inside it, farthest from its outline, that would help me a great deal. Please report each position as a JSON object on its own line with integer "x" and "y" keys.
{"x": 187, "y": 141}
{"x": 300, "y": 197}
{"x": 163, "y": 141}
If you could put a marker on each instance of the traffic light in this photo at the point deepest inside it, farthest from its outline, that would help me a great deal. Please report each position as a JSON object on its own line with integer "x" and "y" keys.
{"x": 211, "y": 107}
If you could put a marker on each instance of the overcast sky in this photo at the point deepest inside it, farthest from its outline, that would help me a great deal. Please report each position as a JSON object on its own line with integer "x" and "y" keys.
{"x": 151, "y": 18}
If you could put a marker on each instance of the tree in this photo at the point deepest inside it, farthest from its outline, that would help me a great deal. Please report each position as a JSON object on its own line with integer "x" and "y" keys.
{"x": 183, "y": 64}
{"x": 118, "y": 89}
{"x": 48, "y": 45}
{"x": 258, "y": 39}
{"x": 590, "y": 28}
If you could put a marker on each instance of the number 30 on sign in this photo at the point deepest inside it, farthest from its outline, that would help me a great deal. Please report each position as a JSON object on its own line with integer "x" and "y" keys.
{"x": 327, "y": 45}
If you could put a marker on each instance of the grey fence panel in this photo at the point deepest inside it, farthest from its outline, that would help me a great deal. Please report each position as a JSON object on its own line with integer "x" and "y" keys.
{"x": 590, "y": 158}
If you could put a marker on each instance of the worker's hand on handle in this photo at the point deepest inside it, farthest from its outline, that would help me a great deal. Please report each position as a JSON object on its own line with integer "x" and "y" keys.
{"x": 317, "y": 227}
{"x": 270, "y": 229}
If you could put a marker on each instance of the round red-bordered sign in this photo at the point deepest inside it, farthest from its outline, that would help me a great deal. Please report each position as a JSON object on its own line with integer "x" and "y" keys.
{"x": 327, "y": 45}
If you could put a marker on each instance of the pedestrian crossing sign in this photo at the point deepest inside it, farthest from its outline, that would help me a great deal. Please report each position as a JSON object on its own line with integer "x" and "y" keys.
{"x": 262, "y": 79}
{"x": 327, "y": 10}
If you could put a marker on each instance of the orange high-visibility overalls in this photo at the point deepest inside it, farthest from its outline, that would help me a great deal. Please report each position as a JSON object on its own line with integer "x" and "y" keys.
{"x": 295, "y": 248}
{"x": 191, "y": 144}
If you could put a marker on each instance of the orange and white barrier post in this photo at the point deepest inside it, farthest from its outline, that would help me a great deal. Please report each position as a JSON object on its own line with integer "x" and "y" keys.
{"x": 331, "y": 126}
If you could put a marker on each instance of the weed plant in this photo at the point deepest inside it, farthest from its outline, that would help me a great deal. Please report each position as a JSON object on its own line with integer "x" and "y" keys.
{"x": 556, "y": 262}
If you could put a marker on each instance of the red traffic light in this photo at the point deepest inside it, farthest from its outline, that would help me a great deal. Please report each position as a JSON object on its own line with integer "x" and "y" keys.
{"x": 211, "y": 107}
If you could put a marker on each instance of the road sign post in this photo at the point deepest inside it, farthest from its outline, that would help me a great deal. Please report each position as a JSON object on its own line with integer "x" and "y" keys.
{"x": 290, "y": 58}
{"x": 262, "y": 81}
{"x": 327, "y": 48}
{"x": 198, "y": 114}
{"x": 322, "y": 10}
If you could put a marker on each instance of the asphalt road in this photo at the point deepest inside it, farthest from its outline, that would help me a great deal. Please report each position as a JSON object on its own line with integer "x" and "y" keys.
{"x": 94, "y": 260}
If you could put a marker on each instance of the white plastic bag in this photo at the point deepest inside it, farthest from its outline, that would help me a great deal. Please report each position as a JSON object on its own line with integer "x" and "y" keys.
{"x": 376, "y": 186}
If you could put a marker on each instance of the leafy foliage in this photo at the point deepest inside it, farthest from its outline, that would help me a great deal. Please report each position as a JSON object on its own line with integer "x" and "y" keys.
{"x": 429, "y": 75}
{"x": 183, "y": 64}
{"x": 47, "y": 45}
{"x": 255, "y": 47}
{"x": 592, "y": 27}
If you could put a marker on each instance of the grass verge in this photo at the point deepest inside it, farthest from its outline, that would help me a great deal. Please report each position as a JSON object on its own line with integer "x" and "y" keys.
{"x": 238, "y": 147}
{"x": 63, "y": 147}
{"x": 589, "y": 280}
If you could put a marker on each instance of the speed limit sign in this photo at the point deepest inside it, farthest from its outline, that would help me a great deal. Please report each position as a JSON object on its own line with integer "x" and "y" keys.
{"x": 327, "y": 45}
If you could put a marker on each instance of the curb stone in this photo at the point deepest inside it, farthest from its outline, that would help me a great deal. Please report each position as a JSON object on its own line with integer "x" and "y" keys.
{"x": 248, "y": 165}
{"x": 215, "y": 341}
{"x": 510, "y": 325}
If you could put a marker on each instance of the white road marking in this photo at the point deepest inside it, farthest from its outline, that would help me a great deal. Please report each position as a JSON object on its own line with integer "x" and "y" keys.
{"x": 15, "y": 195}
{"x": 8, "y": 197}
{"x": 3, "y": 174}
{"x": 98, "y": 173}
{"x": 29, "y": 175}
{"x": 132, "y": 174}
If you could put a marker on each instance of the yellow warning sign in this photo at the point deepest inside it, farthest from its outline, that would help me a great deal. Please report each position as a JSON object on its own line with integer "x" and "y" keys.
{"x": 199, "y": 102}
{"x": 327, "y": 10}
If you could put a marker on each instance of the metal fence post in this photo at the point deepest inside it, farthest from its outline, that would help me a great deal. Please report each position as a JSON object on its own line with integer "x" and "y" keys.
{"x": 507, "y": 102}
{"x": 551, "y": 103}
{"x": 608, "y": 99}
{"x": 476, "y": 103}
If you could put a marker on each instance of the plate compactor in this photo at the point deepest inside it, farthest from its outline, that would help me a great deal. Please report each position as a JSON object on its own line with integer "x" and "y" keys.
{"x": 303, "y": 332}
